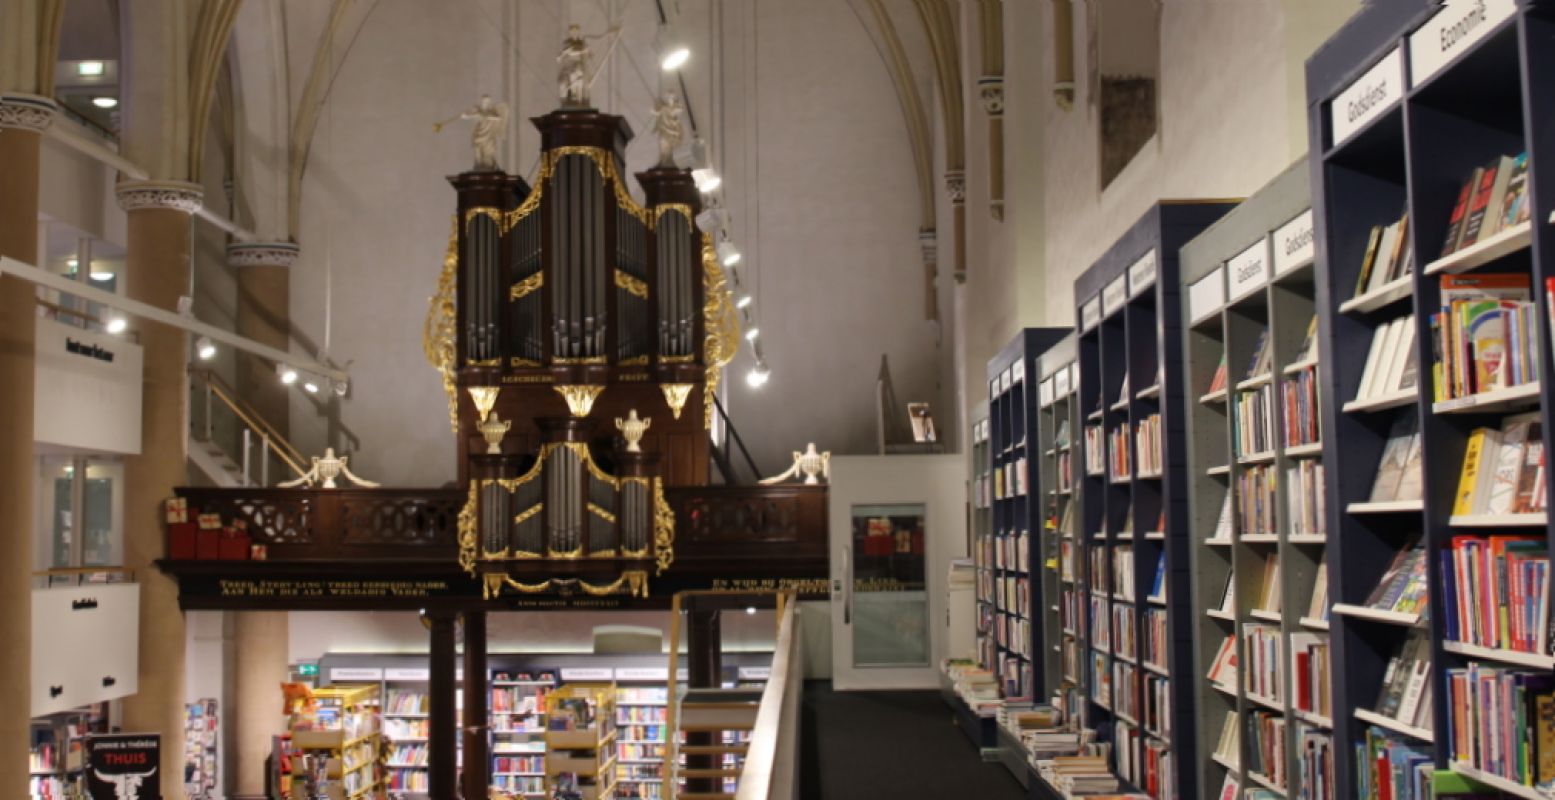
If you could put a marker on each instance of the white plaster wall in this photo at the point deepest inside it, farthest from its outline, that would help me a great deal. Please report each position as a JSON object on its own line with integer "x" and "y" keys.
{"x": 820, "y": 187}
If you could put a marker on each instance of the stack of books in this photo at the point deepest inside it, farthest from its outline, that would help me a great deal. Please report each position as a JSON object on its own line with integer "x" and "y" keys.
{"x": 1485, "y": 337}
{"x": 1084, "y": 776}
{"x": 1503, "y": 470}
{"x": 1398, "y": 474}
{"x": 1391, "y": 363}
{"x": 1493, "y": 199}
{"x": 1497, "y": 592}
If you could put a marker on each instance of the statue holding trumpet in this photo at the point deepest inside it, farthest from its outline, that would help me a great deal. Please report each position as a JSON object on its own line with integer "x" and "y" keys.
{"x": 491, "y": 127}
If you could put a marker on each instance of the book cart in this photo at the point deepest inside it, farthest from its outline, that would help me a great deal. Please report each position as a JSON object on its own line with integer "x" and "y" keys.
{"x": 1255, "y": 470}
{"x": 1134, "y": 520}
{"x": 580, "y": 742}
{"x": 1411, "y": 104}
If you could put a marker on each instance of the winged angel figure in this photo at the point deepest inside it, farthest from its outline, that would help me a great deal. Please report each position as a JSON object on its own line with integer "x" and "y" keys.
{"x": 491, "y": 128}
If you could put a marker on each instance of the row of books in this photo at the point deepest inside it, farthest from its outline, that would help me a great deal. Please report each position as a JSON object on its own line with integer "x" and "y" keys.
{"x": 1118, "y": 462}
{"x": 1402, "y": 588}
{"x": 1095, "y": 450}
{"x": 406, "y": 703}
{"x": 1406, "y": 683}
{"x": 1496, "y": 591}
{"x": 1072, "y": 605}
{"x": 1503, "y": 469}
{"x": 1157, "y": 711}
{"x": 1014, "y": 595}
{"x": 639, "y": 715}
{"x": 408, "y": 755}
{"x": 1391, "y": 767}
{"x": 1125, "y": 690}
{"x": 1389, "y": 256}
{"x": 510, "y": 784}
{"x": 1012, "y": 552}
{"x": 1009, "y": 480}
{"x": 522, "y": 764}
{"x": 1311, "y": 673}
{"x": 1263, "y": 647}
{"x": 1156, "y": 638}
{"x": 1266, "y": 746}
{"x": 1147, "y": 443}
{"x": 1494, "y": 198}
{"x": 1100, "y": 623}
{"x": 416, "y": 780}
{"x": 1123, "y": 572}
{"x": 1063, "y": 471}
{"x": 1502, "y": 721}
{"x": 1262, "y": 362}
{"x": 1391, "y": 363}
{"x": 1012, "y": 633}
{"x": 1485, "y": 335}
{"x": 1124, "y": 641}
{"x": 1306, "y": 499}
{"x": 1302, "y": 400}
{"x": 1316, "y": 755}
{"x": 1256, "y": 500}
{"x": 640, "y": 752}
{"x": 1145, "y": 763}
{"x": 1087, "y": 775}
{"x": 1253, "y": 414}
{"x": 517, "y": 699}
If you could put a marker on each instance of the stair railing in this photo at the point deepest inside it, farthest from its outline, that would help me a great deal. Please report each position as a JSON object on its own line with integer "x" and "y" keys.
{"x": 723, "y": 451}
{"x": 256, "y": 441}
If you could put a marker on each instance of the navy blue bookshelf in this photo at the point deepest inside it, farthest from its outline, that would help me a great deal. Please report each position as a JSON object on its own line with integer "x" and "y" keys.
{"x": 1129, "y": 329}
{"x": 1400, "y": 115}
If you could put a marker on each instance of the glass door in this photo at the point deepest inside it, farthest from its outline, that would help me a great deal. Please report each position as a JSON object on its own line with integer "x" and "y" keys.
{"x": 889, "y": 602}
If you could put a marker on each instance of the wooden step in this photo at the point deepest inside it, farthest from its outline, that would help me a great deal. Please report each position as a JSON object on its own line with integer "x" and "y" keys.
{"x": 713, "y": 749}
{"x": 685, "y": 795}
{"x": 714, "y": 728}
{"x": 692, "y": 773}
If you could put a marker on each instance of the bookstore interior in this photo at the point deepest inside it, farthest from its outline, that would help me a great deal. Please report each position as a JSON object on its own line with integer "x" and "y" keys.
{"x": 1256, "y": 511}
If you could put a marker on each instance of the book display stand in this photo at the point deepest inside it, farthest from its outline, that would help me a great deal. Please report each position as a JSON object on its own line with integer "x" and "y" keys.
{"x": 1256, "y": 471}
{"x": 1433, "y": 122}
{"x": 1134, "y": 501}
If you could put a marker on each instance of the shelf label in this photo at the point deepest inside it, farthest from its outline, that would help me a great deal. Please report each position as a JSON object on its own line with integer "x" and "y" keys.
{"x": 683, "y": 674}
{"x": 1018, "y": 371}
{"x": 1090, "y": 314}
{"x": 1074, "y": 377}
{"x": 587, "y": 674}
{"x": 642, "y": 673}
{"x": 1141, "y": 276}
{"x": 1248, "y": 270}
{"x": 1295, "y": 244}
{"x": 1368, "y": 98}
{"x": 1114, "y": 296}
{"x": 407, "y": 674}
{"x": 355, "y": 674}
{"x": 1207, "y": 295}
{"x": 1061, "y": 382}
{"x": 755, "y": 673}
{"x": 1453, "y": 31}
{"x": 1045, "y": 393}
{"x": 993, "y": 388}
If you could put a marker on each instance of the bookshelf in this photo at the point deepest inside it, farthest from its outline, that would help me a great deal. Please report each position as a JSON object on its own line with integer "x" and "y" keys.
{"x": 1406, "y": 120}
{"x": 982, "y": 542}
{"x": 336, "y": 743}
{"x": 1131, "y": 390}
{"x": 580, "y": 741}
{"x": 1250, "y": 304}
{"x": 1062, "y": 558}
{"x": 1015, "y": 522}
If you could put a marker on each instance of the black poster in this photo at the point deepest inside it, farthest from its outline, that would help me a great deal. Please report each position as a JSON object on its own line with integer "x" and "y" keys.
{"x": 124, "y": 766}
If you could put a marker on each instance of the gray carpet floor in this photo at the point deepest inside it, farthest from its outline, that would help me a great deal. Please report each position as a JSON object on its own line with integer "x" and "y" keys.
{"x": 858, "y": 745}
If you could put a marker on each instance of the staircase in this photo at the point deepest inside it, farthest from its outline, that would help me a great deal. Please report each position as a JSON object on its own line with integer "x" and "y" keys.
{"x": 230, "y": 443}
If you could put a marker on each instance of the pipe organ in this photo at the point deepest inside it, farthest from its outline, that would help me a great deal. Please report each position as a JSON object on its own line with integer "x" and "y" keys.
{"x": 562, "y": 307}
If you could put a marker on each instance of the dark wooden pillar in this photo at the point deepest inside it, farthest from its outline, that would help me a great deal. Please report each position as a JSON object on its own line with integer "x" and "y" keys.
{"x": 477, "y": 764}
{"x": 442, "y": 723}
{"x": 704, "y": 654}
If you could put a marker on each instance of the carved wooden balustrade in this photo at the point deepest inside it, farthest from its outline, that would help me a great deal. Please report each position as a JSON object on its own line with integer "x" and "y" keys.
{"x": 341, "y": 524}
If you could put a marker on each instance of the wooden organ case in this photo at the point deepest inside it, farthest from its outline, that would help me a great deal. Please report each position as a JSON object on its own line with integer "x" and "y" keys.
{"x": 562, "y": 307}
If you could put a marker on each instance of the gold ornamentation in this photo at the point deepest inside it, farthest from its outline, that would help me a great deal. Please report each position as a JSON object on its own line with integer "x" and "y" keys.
{"x": 685, "y": 359}
{"x": 606, "y": 516}
{"x": 526, "y": 286}
{"x": 515, "y": 361}
{"x": 492, "y": 585}
{"x": 580, "y": 397}
{"x": 485, "y": 398}
{"x": 603, "y": 160}
{"x": 611, "y": 553}
{"x": 467, "y": 535}
{"x": 675, "y": 395}
{"x": 634, "y": 361}
{"x": 490, "y": 212}
{"x": 721, "y": 323}
{"x": 663, "y": 528}
{"x": 631, "y": 285}
{"x": 437, "y": 331}
{"x": 664, "y": 208}
{"x": 486, "y": 362}
{"x": 524, "y": 516}
{"x": 570, "y": 555}
{"x": 584, "y": 360}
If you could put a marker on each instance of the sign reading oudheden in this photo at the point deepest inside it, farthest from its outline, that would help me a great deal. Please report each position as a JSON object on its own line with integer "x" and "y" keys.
{"x": 124, "y": 766}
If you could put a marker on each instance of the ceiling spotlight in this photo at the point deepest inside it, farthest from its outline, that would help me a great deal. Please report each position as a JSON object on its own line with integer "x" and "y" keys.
{"x": 744, "y": 301}
{"x": 728, "y": 254}
{"x": 675, "y": 57}
{"x": 750, "y": 610}
{"x": 706, "y": 179}
{"x": 310, "y": 387}
{"x": 205, "y": 348}
{"x": 758, "y": 376}
{"x": 712, "y": 219}
{"x": 105, "y": 102}
{"x": 340, "y": 387}
{"x": 101, "y": 276}
{"x": 90, "y": 69}
{"x": 750, "y": 335}
{"x": 116, "y": 325}
{"x": 691, "y": 154}
{"x": 287, "y": 374}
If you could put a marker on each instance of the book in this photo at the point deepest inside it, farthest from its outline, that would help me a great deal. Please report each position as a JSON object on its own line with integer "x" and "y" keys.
{"x": 1491, "y": 181}
{"x": 1217, "y": 383}
{"x": 1363, "y": 279}
{"x": 1258, "y": 364}
{"x": 1318, "y": 607}
{"x": 1514, "y": 206}
{"x": 1403, "y": 438}
{"x": 1396, "y": 579}
{"x": 1308, "y": 350}
{"x": 1502, "y": 470}
{"x": 1502, "y": 721}
{"x": 1460, "y": 211}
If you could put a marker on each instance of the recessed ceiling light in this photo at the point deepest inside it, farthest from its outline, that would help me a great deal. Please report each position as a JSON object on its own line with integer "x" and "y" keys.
{"x": 89, "y": 69}
{"x": 105, "y": 102}
{"x": 116, "y": 325}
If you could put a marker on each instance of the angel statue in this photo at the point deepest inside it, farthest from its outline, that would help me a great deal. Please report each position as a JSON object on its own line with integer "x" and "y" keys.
{"x": 327, "y": 469}
{"x": 491, "y": 127}
{"x": 666, "y": 124}
{"x": 576, "y": 72}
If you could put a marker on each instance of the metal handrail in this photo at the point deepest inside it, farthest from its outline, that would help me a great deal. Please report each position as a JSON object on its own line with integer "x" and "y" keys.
{"x": 271, "y": 439}
{"x": 735, "y": 434}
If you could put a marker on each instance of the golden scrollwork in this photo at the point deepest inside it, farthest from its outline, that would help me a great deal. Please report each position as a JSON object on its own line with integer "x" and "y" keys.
{"x": 515, "y": 361}
{"x": 490, "y": 212}
{"x": 606, "y": 516}
{"x": 526, "y": 286}
{"x": 633, "y": 582}
{"x": 485, "y": 399}
{"x": 685, "y": 359}
{"x": 437, "y": 331}
{"x": 467, "y": 532}
{"x": 632, "y": 285}
{"x": 603, "y": 160}
{"x": 721, "y": 322}
{"x": 663, "y": 528}
{"x": 580, "y": 397}
{"x": 665, "y": 208}
{"x": 576, "y": 360}
{"x": 634, "y": 361}
{"x": 675, "y": 395}
{"x": 526, "y": 514}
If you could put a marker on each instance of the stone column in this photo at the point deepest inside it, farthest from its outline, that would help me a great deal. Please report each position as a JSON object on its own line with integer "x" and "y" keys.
{"x": 264, "y": 315}
{"x": 157, "y": 272}
{"x": 990, "y": 89}
{"x": 254, "y": 714}
{"x": 23, "y": 119}
{"x": 928, "y": 249}
{"x": 955, "y": 189}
